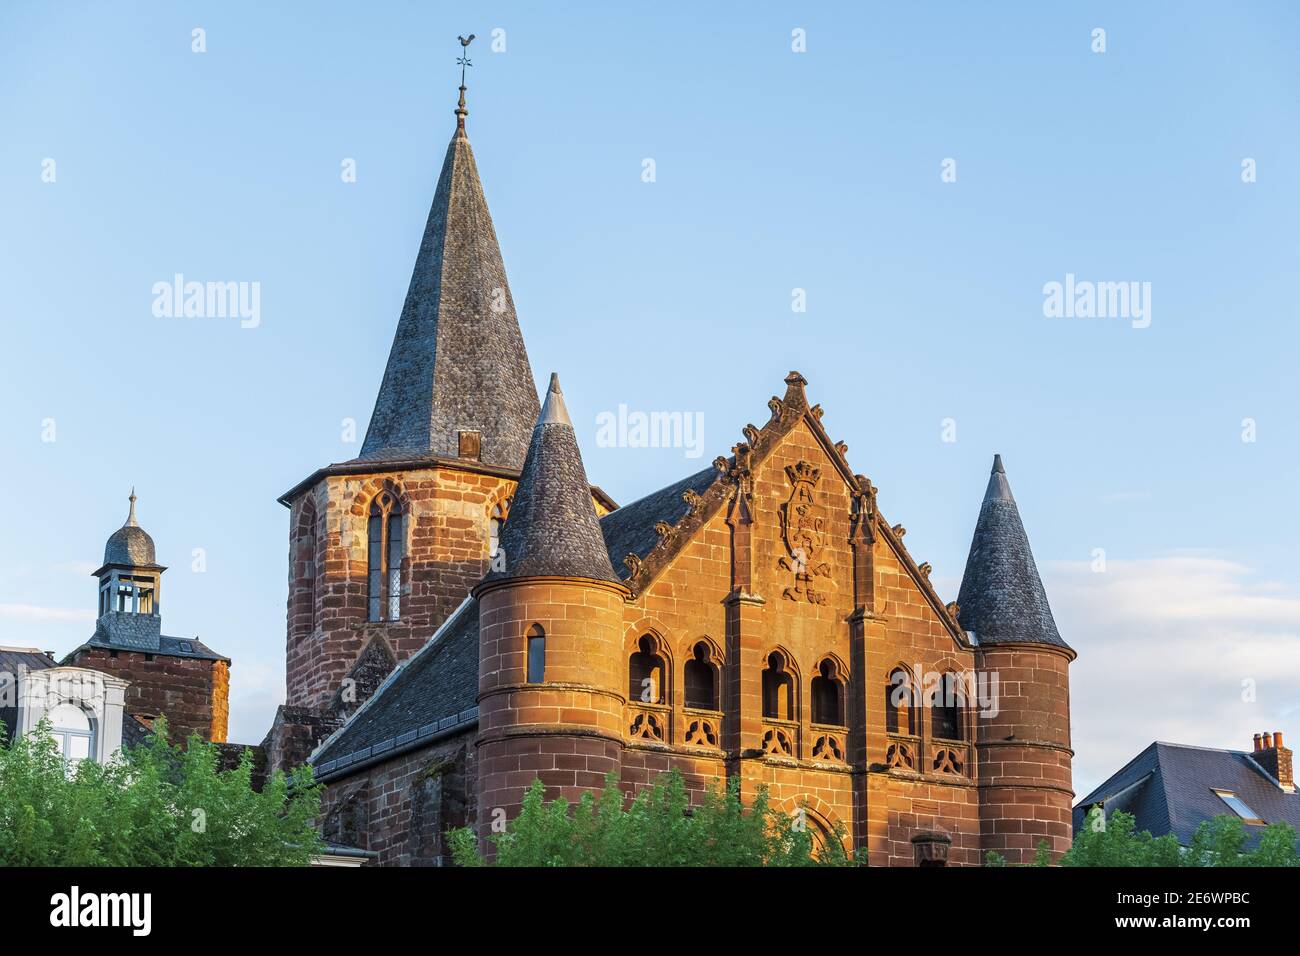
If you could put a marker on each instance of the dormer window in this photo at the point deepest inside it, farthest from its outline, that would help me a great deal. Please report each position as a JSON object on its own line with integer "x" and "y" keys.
{"x": 1239, "y": 806}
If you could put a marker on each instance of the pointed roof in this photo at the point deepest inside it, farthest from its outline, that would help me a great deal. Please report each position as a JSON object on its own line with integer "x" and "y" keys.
{"x": 552, "y": 529}
{"x": 130, "y": 544}
{"x": 458, "y": 361}
{"x": 1002, "y": 600}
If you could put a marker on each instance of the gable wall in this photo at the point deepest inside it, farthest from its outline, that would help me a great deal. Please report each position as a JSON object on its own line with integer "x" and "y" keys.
{"x": 686, "y": 602}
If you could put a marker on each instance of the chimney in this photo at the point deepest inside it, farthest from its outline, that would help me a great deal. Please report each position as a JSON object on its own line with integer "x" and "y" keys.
{"x": 1275, "y": 759}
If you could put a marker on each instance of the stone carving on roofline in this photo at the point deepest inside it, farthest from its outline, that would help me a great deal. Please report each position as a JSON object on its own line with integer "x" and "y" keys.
{"x": 734, "y": 484}
{"x": 803, "y": 529}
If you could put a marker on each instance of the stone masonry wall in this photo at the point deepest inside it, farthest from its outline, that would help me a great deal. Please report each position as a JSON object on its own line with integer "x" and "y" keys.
{"x": 193, "y": 694}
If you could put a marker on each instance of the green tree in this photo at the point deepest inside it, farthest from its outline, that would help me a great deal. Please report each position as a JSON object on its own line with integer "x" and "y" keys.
{"x": 659, "y": 827}
{"x": 153, "y": 805}
{"x": 1220, "y": 841}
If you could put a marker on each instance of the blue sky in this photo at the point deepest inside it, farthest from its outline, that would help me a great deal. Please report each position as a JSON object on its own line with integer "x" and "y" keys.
{"x": 775, "y": 170}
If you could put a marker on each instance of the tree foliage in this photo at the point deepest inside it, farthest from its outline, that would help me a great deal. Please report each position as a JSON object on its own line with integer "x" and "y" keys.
{"x": 153, "y": 805}
{"x": 657, "y": 828}
{"x": 1220, "y": 841}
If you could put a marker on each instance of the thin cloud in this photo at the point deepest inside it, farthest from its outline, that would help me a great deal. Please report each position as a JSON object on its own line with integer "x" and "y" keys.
{"x": 35, "y": 612}
{"x": 1172, "y": 649}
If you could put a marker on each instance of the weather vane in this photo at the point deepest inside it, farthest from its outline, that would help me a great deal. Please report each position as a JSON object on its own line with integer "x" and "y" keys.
{"x": 463, "y": 60}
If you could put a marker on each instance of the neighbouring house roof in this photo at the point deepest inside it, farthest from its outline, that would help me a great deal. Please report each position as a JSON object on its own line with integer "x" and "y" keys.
{"x": 13, "y": 661}
{"x": 186, "y": 647}
{"x": 429, "y": 695}
{"x": 458, "y": 361}
{"x": 1002, "y": 600}
{"x": 1169, "y": 788}
{"x": 552, "y": 529}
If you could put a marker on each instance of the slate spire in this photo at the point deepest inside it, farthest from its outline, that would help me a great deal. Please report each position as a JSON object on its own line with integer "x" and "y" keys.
{"x": 458, "y": 362}
{"x": 1002, "y": 600}
{"x": 552, "y": 529}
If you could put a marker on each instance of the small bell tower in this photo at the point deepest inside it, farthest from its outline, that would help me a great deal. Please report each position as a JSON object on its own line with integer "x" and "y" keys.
{"x": 129, "y": 587}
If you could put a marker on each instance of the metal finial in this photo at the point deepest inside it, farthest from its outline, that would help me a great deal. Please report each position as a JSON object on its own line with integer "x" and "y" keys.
{"x": 130, "y": 518}
{"x": 463, "y": 60}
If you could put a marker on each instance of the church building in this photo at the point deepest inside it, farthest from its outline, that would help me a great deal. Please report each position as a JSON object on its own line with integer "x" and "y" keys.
{"x": 468, "y": 613}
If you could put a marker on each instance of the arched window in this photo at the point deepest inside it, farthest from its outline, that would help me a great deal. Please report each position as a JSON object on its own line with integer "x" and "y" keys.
{"x": 700, "y": 675}
{"x": 947, "y": 702}
{"x": 386, "y": 541}
{"x": 899, "y": 710}
{"x": 828, "y": 694}
{"x": 73, "y": 733}
{"x": 495, "y": 521}
{"x": 645, "y": 680}
{"x": 778, "y": 688}
{"x": 536, "y": 655}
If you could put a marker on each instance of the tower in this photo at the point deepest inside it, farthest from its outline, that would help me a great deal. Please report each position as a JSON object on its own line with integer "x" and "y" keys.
{"x": 130, "y": 579}
{"x": 383, "y": 547}
{"x": 1024, "y": 750}
{"x": 551, "y": 692}
{"x": 180, "y": 678}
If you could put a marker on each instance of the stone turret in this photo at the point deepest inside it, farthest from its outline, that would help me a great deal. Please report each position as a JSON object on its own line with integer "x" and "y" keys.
{"x": 551, "y": 683}
{"x": 1024, "y": 748}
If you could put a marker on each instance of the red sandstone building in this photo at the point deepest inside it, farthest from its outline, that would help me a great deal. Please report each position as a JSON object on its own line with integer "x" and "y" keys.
{"x": 467, "y": 613}
{"x": 181, "y": 678}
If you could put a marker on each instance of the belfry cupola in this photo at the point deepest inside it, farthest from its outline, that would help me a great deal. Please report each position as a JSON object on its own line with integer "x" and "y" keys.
{"x": 129, "y": 587}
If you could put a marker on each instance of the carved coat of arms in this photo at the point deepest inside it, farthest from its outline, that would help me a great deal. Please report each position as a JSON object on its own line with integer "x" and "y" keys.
{"x": 803, "y": 529}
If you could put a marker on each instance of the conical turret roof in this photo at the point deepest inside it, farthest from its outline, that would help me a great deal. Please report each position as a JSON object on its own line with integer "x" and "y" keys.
{"x": 1002, "y": 600}
{"x": 552, "y": 529}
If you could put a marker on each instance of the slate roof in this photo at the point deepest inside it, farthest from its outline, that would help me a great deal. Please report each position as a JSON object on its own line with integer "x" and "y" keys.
{"x": 187, "y": 647}
{"x": 432, "y": 693}
{"x": 130, "y": 544}
{"x": 631, "y": 528}
{"x": 12, "y": 661}
{"x": 1002, "y": 600}
{"x": 552, "y": 528}
{"x": 458, "y": 360}
{"x": 1173, "y": 790}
